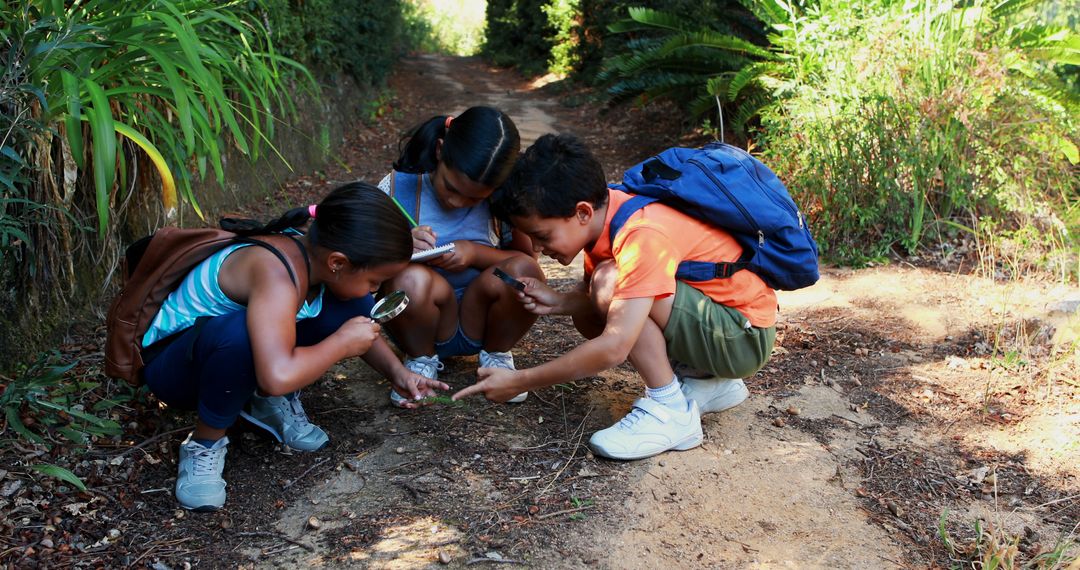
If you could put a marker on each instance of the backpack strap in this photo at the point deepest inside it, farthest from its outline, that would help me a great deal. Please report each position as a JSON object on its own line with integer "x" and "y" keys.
{"x": 687, "y": 270}
{"x": 281, "y": 256}
{"x": 152, "y": 351}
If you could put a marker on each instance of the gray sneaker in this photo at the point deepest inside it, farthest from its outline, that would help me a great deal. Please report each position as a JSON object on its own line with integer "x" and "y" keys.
{"x": 501, "y": 360}
{"x": 199, "y": 486}
{"x": 426, "y": 366}
{"x": 715, "y": 394}
{"x": 284, "y": 418}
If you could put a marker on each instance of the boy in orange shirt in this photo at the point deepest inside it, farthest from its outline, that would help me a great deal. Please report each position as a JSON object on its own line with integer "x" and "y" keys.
{"x": 630, "y": 305}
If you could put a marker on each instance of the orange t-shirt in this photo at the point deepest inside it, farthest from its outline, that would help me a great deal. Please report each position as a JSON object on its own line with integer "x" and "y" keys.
{"x": 652, "y": 243}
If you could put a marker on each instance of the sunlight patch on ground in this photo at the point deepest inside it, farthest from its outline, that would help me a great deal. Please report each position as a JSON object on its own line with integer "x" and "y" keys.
{"x": 411, "y": 545}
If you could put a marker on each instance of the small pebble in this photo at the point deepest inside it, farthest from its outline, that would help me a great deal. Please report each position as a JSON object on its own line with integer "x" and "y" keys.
{"x": 314, "y": 523}
{"x": 400, "y": 450}
{"x": 444, "y": 557}
{"x": 114, "y": 533}
{"x": 793, "y": 410}
{"x": 46, "y": 543}
{"x": 663, "y": 464}
{"x": 778, "y": 422}
{"x": 895, "y": 509}
{"x": 856, "y": 381}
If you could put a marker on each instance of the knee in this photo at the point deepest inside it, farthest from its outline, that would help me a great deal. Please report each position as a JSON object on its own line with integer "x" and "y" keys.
{"x": 522, "y": 265}
{"x": 418, "y": 281}
{"x": 602, "y": 286}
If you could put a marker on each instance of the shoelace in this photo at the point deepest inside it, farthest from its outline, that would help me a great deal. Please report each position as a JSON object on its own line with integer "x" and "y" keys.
{"x": 499, "y": 360}
{"x": 635, "y": 415}
{"x": 425, "y": 366}
{"x": 297, "y": 410}
{"x": 205, "y": 461}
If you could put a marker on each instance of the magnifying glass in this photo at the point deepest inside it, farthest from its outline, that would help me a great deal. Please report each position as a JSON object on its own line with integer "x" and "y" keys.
{"x": 389, "y": 306}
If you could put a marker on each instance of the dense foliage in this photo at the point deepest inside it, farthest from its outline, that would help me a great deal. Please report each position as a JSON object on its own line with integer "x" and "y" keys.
{"x": 519, "y": 34}
{"x": 357, "y": 37}
{"x": 899, "y": 125}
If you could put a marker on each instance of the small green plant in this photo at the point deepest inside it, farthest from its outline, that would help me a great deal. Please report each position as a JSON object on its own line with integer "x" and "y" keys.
{"x": 57, "y": 472}
{"x": 579, "y": 503}
{"x": 444, "y": 400}
{"x": 993, "y": 549}
{"x": 42, "y": 402}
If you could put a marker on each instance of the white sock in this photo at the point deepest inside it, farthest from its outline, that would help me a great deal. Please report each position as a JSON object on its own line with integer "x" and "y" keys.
{"x": 670, "y": 395}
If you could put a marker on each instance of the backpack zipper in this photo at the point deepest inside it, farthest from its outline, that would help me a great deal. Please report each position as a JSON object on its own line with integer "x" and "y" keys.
{"x": 768, "y": 192}
{"x": 746, "y": 215}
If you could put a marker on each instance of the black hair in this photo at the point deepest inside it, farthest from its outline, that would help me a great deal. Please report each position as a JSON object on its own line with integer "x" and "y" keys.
{"x": 553, "y": 175}
{"x": 356, "y": 219}
{"x": 481, "y": 143}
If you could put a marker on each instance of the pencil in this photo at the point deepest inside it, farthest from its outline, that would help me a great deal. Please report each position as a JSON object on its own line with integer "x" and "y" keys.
{"x": 402, "y": 208}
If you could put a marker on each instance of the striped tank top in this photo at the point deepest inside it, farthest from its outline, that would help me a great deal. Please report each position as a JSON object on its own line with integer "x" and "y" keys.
{"x": 200, "y": 295}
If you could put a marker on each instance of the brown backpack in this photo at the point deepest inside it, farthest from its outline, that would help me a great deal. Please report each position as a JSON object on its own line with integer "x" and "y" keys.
{"x": 152, "y": 268}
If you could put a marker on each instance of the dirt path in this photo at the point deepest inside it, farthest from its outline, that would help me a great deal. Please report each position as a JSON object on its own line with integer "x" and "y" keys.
{"x": 895, "y": 394}
{"x": 858, "y": 356}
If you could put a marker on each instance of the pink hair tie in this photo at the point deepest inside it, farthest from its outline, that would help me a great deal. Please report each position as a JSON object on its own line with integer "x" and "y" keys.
{"x": 448, "y": 119}
{"x": 311, "y": 211}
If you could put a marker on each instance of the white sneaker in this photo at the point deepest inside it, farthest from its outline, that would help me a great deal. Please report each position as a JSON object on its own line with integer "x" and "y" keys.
{"x": 199, "y": 486}
{"x": 501, "y": 360}
{"x": 715, "y": 394}
{"x": 426, "y": 366}
{"x": 649, "y": 429}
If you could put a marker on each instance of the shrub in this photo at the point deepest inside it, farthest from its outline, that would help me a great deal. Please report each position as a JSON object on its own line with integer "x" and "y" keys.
{"x": 518, "y": 34}
{"x": 357, "y": 37}
{"x": 919, "y": 121}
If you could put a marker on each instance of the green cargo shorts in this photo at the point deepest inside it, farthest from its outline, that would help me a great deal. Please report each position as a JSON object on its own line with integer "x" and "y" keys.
{"x": 710, "y": 336}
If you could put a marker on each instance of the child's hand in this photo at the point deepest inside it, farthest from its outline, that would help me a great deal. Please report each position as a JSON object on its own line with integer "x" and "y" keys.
{"x": 538, "y": 298}
{"x": 496, "y": 384}
{"x": 458, "y": 260}
{"x": 358, "y": 333}
{"x": 423, "y": 237}
{"x": 415, "y": 387}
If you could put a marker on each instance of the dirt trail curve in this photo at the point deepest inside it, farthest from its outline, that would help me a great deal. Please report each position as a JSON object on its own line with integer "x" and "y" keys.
{"x": 857, "y": 435}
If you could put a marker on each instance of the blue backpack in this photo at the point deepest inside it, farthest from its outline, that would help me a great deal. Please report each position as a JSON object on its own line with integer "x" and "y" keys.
{"x": 725, "y": 186}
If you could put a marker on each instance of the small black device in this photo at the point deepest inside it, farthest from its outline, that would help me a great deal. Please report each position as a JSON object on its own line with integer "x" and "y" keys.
{"x": 509, "y": 280}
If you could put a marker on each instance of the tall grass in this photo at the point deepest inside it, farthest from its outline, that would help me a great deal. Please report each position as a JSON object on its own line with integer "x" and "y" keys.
{"x": 928, "y": 120}
{"x": 107, "y": 92}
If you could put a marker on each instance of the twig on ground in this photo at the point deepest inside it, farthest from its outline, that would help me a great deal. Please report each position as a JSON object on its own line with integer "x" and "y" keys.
{"x": 404, "y": 465}
{"x": 277, "y": 535}
{"x": 580, "y": 433}
{"x": 564, "y": 512}
{"x": 302, "y": 475}
{"x": 153, "y": 439}
{"x": 348, "y": 408}
{"x": 483, "y": 559}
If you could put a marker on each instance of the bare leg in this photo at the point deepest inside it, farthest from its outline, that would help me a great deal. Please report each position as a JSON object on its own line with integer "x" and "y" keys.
{"x": 649, "y": 354}
{"x": 431, "y": 314}
{"x": 203, "y": 431}
{"x": 490, "y": 310}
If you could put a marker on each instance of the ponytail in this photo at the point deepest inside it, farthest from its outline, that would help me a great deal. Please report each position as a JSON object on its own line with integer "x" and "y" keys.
{"x": 481, "y": 143}
{"x": 356, "y": 219}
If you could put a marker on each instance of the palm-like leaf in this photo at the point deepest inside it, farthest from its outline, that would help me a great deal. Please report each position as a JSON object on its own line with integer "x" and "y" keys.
{"x": 182, "y": 77}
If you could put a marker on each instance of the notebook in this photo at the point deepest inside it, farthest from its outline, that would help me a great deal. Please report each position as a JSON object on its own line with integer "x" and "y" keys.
{"x": 433, "y": 252}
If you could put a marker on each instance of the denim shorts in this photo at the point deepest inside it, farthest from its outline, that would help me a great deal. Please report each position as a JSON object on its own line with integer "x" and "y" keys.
{"x": 460, "y": 344}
